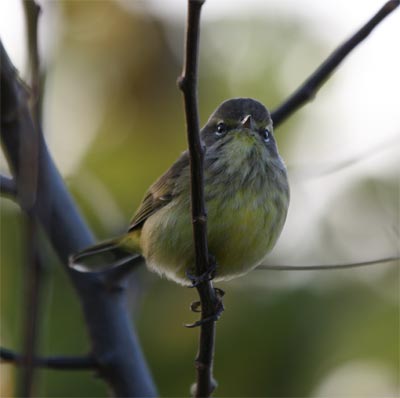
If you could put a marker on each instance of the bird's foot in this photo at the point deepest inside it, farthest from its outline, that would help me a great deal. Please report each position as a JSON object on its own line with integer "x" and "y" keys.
{"x": 216, "y": 312}
{"x": 206, "y": 276}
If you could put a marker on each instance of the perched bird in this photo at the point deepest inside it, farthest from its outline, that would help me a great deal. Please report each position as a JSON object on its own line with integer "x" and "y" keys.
{"x": 247, "y": 197}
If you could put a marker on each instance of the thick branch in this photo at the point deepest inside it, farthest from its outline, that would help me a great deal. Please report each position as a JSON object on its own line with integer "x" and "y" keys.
{"x": 56, "y": 363}
{"x": 114, "y": 342}
{"x": 208, "y": 299}
{"x": 7, "y": 186}
{"x": 308, "y": 90}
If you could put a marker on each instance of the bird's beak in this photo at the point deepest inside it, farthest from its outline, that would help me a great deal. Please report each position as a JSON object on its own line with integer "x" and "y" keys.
{"x": 248, "y": 122}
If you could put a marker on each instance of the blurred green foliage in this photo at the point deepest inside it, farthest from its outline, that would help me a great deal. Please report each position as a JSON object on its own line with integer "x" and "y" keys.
{"x": 276, "y": 340}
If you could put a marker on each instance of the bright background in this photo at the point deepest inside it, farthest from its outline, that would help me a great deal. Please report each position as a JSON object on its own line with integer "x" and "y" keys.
{"x": 113, "y": 118}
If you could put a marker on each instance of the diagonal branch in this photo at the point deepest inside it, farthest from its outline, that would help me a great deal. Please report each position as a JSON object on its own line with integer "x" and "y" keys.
{"x": 114, "y": 342}
{"x": 308, "y": 90}
{"x": 56, "y": 363}
{"x": 7, "y": 187}
{"x": 208, "y": 299}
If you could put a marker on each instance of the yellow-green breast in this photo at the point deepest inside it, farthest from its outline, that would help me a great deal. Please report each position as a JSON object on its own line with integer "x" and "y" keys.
{"x": 247, "y": 202}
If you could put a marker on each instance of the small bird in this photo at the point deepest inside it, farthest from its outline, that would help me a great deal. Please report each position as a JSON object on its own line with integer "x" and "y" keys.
{"x": 247, "y": 197}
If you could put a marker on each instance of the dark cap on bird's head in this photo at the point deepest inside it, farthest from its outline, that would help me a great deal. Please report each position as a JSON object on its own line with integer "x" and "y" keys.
{"x": 237, "y": 114}
{"x": 238, "y": 108}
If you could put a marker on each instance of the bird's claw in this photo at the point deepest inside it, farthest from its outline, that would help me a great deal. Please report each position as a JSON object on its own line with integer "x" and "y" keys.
{"x": 195, "y": 306}
{"x": 218, "y": 310}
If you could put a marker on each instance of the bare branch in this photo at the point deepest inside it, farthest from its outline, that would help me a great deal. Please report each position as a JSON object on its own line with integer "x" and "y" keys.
{"x": 56, "y": 363}
{"x": 7, "y": 186}
{"x": 308, "y": 90}
{"x": 208, "y": 299}
{"x": 32, "y": 13}
{"x": 27, "y": 185}
{"x": 34, "y": 284}
{"x": 188, "y": 85}
{"x": 114, "y": 342}
{"x": 270, "y": 267}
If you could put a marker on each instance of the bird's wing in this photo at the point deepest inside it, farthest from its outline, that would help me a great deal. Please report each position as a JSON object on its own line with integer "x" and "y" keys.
{"x": 161, "y": 192}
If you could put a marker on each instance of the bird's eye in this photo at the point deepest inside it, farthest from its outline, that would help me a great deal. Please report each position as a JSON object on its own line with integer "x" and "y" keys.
{"x": 221, "y": 129}
{"x": 266, "y": 135}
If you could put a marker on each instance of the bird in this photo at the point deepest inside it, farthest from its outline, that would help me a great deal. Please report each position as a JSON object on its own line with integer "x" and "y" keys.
{"x": 246, "y": 192}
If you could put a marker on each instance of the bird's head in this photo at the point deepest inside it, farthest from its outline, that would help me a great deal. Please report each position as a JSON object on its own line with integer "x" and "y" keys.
{"x": 243, "y": 124}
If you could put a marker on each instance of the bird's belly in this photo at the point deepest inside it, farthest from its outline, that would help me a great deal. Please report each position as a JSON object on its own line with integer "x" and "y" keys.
{"x": 241, "y": 231}
{"x": 240, "y": 235}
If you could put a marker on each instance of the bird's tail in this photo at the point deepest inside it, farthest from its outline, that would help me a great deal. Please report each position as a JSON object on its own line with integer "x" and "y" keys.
{"x": 105, "y": 255}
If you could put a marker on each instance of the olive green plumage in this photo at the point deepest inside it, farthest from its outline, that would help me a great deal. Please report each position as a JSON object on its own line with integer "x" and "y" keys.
{"x": 247, "y": 197}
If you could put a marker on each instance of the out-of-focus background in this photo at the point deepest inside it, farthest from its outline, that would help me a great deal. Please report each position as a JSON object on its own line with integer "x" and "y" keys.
{"x": 114, "y": 121}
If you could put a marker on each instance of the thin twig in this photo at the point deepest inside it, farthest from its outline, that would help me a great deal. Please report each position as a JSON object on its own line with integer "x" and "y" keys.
{"x": 27, "y": 171}
{"x": 27, "y": 187}
{"x": 34, "y": 280}
{"x": 7, "y": 186}
{"x": 32, "y": 13}
{"x": 56, "y": 363}
{"x": 188, "y": 84}
{"x": 308, "y": 90}
{"x": 324, "y": 267}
